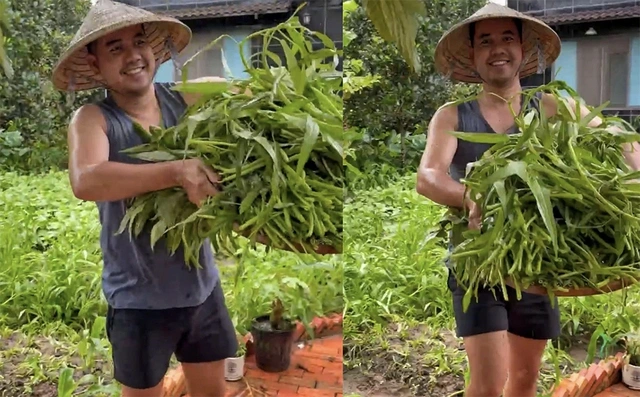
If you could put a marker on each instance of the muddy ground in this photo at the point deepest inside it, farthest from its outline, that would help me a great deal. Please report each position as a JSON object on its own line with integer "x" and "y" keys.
{"x": 419, "y": 362}
{"x": 31, "y": 366}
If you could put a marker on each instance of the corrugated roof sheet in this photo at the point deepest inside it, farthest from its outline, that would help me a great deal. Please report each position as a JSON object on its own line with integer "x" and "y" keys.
{"x": 227, "y": 9}
{"x": 595, "y": 15}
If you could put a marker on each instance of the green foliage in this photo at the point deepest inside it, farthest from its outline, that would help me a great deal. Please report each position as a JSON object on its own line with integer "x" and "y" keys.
{"x": 398, "y": 307}
{"x": 400, "y": 103}
{"x": 50, "y": 266}
{"x": 30, "y": 108}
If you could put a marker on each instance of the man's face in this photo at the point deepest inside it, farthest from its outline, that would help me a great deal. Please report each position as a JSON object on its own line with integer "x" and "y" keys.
{"x": 497, "y": 51}
{"x": 125, "y": 60}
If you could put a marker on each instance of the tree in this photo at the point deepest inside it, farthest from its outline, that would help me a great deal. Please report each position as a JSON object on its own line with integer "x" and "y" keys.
{"x": 401, "y": 102}
{"x": 33, "y": 115}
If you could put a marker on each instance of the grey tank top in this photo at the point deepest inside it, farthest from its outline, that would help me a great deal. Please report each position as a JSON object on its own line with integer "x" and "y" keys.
{"x": 470, "y": 119}
{"x": 135, "y": 276}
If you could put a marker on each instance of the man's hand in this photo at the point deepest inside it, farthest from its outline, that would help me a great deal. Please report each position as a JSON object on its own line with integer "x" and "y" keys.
{"x": 475, "y": 214}
{"x": 197, "y": 180}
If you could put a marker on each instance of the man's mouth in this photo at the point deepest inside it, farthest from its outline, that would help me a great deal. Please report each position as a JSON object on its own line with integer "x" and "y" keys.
{"x": 499, "y": 63}
{"x": 133, "y": 71}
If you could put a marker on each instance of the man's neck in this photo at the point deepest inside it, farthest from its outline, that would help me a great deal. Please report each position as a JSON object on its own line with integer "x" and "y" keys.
{"x": 136, "y": 105}
{"x": 496, "y": 96}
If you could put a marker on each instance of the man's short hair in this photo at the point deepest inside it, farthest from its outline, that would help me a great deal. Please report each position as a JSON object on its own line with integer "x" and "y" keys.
{"x": 472, "y": 29}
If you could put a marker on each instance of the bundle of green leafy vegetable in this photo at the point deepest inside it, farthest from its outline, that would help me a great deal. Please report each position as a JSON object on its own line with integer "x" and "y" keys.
{"x": 560, "y": 206}
{"x": 275, "y": 141}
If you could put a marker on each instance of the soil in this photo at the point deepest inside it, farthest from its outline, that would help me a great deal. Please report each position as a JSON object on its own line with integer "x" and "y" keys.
{"x": 19, "y": 380}
{"x": 407, "y": 366}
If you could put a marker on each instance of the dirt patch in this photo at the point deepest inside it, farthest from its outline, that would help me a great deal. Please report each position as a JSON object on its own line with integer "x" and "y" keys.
{"x": 31, "y": 366}
{"x": 414, "y": 361}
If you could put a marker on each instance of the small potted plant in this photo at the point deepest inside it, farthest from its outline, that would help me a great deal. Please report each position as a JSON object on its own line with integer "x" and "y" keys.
{"x": 631, "y": 367}
{"x": 273, "y": 339}
{"x": 234, "y": 366}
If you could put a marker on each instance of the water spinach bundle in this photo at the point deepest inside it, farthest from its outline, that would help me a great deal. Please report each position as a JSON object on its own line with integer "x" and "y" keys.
{"x": 275, "y": 141}
{"x": 561, "y": 208}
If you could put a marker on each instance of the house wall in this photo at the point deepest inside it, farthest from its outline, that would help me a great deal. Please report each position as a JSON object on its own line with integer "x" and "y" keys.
{"x": 602, "y": 68}
{"x": 325, "y": 16}
{"x": 211, "y": 61}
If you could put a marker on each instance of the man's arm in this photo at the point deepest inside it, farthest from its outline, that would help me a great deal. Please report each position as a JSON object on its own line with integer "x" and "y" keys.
{"x": 631, "y": 151}
{"x": 94, "y": 178}
{"x": 434, "y": 181}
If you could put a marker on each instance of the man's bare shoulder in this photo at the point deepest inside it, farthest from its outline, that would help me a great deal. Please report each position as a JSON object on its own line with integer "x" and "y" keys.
{"x": 445, "y": 116}
{"x": 88, "y": 115}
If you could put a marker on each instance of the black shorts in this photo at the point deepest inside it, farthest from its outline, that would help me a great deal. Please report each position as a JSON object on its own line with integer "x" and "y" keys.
{"x": 531, "y": 317}
{"x": 143, "y": 341}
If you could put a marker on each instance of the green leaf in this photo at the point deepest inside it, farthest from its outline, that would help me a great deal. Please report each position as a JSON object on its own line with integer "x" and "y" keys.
{"x": 397, "y": 22}
{"x": 480, "y": 137}
{"x": 66, "y": 385}
{"x": 309, "y": 141}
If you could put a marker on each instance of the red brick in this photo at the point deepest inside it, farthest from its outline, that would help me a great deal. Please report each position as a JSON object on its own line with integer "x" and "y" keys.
{"x": 267, "y": 385}
{"x": 560, "y": 391}
{"x": 335, "y": 370}
{"x": 309, "y": 368}
{"x": 288, "y": 393}
{"x": 306, "y": 382}
{"x": 329, "y": 387}
{"x": 324, "y": 378}
{"x": 306, "y": 392}
{"x": 257, "y": 374}
{"x": 325, "y": 349}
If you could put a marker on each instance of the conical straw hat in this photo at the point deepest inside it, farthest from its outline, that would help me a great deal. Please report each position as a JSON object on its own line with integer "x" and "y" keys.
{"x": 452, "y": 55}
{"x": 72, "y": 72}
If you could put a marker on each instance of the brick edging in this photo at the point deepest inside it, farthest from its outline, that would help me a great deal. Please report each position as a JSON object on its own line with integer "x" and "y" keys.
{"x": 593, "y": 379}
{"x": 321, "y": 326}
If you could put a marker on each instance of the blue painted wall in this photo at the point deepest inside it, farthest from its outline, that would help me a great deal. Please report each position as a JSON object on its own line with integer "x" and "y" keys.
{"x": 232, "y": 52}
{"x": 566, "y": 66}
{"x": 231, "y": 48}
{"x": 634, "y": 72}
{"x": 165, "y": 72}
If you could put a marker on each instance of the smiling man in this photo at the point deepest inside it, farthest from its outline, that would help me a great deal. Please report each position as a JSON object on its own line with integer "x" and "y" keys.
{"x": 495, "y": 47}
{"x": 156, "y": 306}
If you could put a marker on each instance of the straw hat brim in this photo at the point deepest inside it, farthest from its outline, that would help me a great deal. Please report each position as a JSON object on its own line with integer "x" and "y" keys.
{"x": 73, "y": 62}
{"x": 452, "y": 55}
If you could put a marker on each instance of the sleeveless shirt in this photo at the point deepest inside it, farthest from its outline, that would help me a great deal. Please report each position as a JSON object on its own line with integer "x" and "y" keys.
{"x": 135, "y": 276}
{"x": 470, "y": 119}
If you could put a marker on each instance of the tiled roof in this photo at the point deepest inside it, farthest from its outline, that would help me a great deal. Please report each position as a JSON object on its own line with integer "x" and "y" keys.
{"x": 228, "y": 9}
{"x": 595, "y": 15}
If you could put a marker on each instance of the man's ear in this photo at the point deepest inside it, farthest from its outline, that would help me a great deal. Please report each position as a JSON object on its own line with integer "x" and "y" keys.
{"x": 93, "y": 63}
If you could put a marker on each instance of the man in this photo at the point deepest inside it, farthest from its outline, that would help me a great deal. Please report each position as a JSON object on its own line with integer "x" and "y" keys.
{"x": 495, "y": 47}
{"x": 156, "y": 306}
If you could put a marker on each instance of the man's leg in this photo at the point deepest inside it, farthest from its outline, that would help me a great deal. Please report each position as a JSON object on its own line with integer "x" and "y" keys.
{"x": 532, "y": 321}
{"x": 210, "y": 340}
{"x": 483, "y": 328}
{"x": 142, "y": 344}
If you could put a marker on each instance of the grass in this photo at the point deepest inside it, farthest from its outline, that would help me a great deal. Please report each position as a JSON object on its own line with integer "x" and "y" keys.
{"x": 399, "y": 326}
{"x": 52, "y": 311}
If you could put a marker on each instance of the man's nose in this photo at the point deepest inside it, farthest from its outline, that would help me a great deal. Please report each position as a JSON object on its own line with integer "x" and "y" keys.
{"x": 132, "y": 54}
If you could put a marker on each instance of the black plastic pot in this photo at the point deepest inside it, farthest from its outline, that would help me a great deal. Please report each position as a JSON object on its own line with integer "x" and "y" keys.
{"x": 272, "y": 347}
